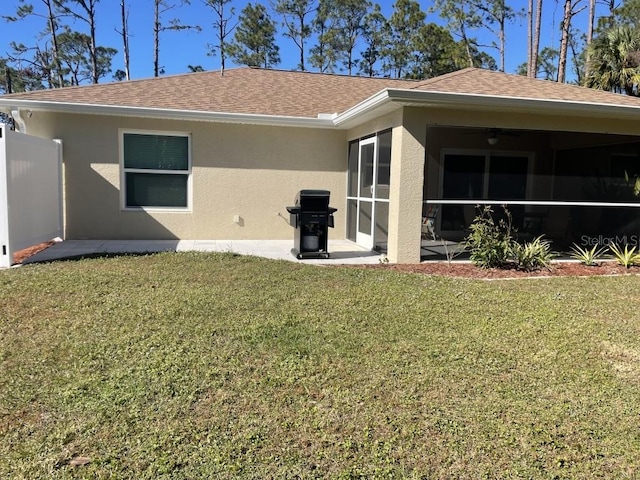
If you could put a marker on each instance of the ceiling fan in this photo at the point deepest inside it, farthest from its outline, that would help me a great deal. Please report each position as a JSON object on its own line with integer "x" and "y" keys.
{"x": 493, "y": 134}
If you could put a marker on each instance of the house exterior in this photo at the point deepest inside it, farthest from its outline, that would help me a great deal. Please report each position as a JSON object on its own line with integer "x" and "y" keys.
{"x": 211, "y": 156}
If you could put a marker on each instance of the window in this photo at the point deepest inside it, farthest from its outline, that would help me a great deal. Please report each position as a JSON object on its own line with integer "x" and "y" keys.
{"x": 156, "y": 170}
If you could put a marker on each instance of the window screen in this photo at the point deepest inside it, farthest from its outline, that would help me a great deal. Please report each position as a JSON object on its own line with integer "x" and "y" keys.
{"x": 156, "y": 170}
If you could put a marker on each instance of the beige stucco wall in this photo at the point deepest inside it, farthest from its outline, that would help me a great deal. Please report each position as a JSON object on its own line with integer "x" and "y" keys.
{"x": 253, "y": 172}
{"x": 407, "y": 180}
{"x": 385, "y": 122}
{"x": 249, "y": 171}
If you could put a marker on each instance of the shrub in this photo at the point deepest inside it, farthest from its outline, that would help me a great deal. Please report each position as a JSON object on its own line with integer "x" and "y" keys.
{"x": 587, "y": 256}
{"x": 490, "y": 242}
{"x": 627, "y": 257}
{"x": 532, "y": 255}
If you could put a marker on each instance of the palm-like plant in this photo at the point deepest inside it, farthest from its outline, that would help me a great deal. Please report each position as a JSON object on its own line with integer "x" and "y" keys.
{"x": 614, "y": 61}
{"x": 627, "y": 257}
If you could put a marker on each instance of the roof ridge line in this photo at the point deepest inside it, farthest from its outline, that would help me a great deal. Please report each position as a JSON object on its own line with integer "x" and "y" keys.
{"x": 446, "y": 76}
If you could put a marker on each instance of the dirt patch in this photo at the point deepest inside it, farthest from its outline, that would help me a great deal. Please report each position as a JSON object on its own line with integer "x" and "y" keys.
{"x": 468, "y": 270}
{"x": 21, "y": 255}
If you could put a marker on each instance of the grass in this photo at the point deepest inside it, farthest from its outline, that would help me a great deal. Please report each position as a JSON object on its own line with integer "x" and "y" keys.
{"x": 217, "y": 366}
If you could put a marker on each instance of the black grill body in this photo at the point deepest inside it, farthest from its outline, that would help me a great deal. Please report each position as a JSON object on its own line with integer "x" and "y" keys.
{"x": 311, "y": 218}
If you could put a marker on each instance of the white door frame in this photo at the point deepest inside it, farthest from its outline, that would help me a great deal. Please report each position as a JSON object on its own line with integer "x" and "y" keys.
{"x": 364, "y": 235}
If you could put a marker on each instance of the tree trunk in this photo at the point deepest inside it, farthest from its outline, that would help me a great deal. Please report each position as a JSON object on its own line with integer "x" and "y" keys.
{"x": 7, "y": 78}
{"x": 125, "y": 38}
{"x": 591, "y": 20}
{"x": 502, "y": 44}
{"x": 465, "y": 40}
{"x": 54, "y": 44}
{"x": 156, "y": 38}
{"x": 91, "y": 12}
{"x": 564, "y": 42}
{"x": 536, "y": 40}
{"x": 530, "y": 67}
{"x": 221, "y": 35}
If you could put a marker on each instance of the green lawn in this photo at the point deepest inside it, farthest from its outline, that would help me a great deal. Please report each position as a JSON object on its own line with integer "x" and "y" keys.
{"x": 218, "y": 366}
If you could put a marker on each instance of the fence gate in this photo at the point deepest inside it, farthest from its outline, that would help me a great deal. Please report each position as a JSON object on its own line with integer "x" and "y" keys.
{"x": 30, "y": 192}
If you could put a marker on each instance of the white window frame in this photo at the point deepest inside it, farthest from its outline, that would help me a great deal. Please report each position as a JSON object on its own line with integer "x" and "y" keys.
{"x": 124, "y": 171}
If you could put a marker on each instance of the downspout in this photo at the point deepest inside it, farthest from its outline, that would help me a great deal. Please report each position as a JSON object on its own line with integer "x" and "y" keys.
{"x": 20, "y": 124}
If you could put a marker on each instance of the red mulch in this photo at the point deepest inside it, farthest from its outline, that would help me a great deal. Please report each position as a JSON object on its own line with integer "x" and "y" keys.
{"x": 468, "y": 270}
{"x": 21, "y": 255}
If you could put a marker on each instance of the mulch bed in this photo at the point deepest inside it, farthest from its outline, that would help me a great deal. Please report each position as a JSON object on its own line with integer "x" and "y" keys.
{"x": 468, "y": 270}
{"x": 21, "y": 255}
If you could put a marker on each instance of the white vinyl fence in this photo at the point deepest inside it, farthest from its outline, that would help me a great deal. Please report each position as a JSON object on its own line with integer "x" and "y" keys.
{"x": 30, "y": 192}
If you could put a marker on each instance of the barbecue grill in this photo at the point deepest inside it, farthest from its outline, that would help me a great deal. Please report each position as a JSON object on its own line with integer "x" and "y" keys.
{"x": 311, "y": 217}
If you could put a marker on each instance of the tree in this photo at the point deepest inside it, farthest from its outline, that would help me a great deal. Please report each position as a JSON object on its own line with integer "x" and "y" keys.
{"x": 614, "y": 58}
{"x": 571, "y": 9}
{"x": 324, "y": 55}
{"x": 81, "y": 64}
{"x": 535, "y": 47}
{"x": 405, "y": 25}
{"x": 627, "y": 13}
{"x": 495, "y": 14}
{"x": 20, "y": 79}
{"x": 375, "y": 33}
{"x": 546, "y": 67}
{"x": 160, "y": 7}
{"x": 463, "y": 16}
{"x": 34, "y": 64}
{"x": 294, "y": 18}
{"x": 349, "y": 15}
{"x": 578, "y": 49}
{"x": 86, "y": 14}
{"x": 222, "y": 28}
{"x": 25, "y": 10}
{"x": 254, "y": 41}
{"x": 124, "y": 33}
{"x": 436, "y": 53}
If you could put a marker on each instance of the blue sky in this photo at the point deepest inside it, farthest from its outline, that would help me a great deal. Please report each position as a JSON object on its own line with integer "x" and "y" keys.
{"x": 180, "y": 49}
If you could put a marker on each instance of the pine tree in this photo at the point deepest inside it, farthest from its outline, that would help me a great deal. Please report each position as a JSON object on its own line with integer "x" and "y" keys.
{"x": 161, "y": 7}
{"x": 375, "y": 34}
{"x": 405, "y": 25}
{"x": 296, "y": 22}
{"x": 222, "y": 28}
{"x": 463, "y": 17}
{"x": 324, "y": 54}
{"x": 349, "y": 16}
{"x": 53, "y": 71}
{"x": 254, "y": 42}
{"x": 85, "y": 11}
{"x": 495, "y": 15}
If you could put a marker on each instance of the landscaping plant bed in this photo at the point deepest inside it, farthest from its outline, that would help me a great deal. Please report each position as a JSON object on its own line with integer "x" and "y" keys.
{"x": 468, "y": 270}
{"x": 21, "y": 255}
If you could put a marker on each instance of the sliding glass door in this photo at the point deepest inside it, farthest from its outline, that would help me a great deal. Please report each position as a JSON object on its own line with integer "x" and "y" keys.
{"x": 480, "y": 176}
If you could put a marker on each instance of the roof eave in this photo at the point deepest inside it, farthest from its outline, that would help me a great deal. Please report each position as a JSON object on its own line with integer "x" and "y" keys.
{"x": 8, "y": 105}
{"x": 390, "y": 99}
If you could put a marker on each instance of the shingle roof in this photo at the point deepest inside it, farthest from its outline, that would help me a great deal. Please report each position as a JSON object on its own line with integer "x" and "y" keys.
{"x": 476, "y": 81}
{"x": 240, "y": 90}
{"x": 303, "y": 94}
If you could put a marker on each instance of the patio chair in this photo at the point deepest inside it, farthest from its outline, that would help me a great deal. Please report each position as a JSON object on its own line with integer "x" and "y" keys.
{"x": 429, "y": 222}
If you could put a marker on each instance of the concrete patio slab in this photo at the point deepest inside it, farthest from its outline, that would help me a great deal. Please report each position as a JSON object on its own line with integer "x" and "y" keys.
{"x": 341, "y": 251}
